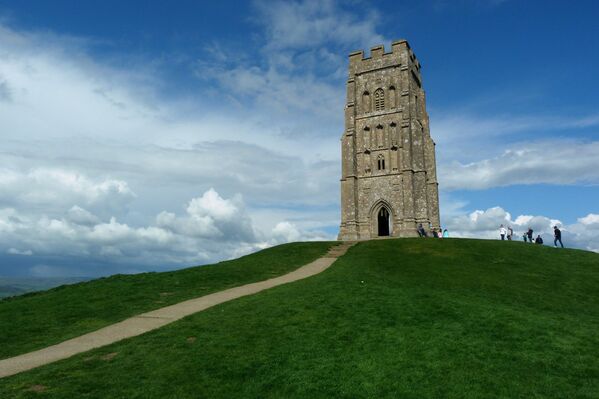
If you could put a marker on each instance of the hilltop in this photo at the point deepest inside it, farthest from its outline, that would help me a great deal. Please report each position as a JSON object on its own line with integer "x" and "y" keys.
{"x": 391, "y": 318}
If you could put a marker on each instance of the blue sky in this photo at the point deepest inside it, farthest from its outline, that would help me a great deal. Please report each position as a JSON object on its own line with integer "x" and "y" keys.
{"x": 152, "y": 135}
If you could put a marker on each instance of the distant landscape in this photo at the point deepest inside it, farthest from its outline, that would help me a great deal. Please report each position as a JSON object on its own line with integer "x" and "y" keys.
{"x": 11, "y": 286}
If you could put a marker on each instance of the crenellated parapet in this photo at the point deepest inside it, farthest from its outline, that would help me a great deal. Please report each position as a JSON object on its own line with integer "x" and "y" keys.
{"x": 401, "y": 55}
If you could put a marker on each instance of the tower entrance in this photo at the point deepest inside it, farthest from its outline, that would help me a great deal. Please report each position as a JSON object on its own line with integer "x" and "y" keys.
{"x": 383, "y": 221}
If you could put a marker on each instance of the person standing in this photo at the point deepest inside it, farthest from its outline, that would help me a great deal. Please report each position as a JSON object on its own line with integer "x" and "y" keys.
{"x": 557, "y": 236}
{"x": 510, "y": 233}
{"x": 502, "y": 232}
{"x": 445, "y": 233}
{"x": 529, "y": 234}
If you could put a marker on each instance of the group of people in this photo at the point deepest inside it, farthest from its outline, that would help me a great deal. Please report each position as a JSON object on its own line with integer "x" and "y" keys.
{"x": 527, "y": 236}
{"x": 441, "y": 233}
{"x": 504, "y": 233}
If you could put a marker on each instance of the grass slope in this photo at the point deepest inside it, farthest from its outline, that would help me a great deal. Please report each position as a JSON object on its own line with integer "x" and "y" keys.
{"x": 392, "y": 318}
{"x": 36, "y": 320}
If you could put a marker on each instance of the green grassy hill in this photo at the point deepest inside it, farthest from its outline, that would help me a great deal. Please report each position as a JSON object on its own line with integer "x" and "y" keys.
{"x": 36, "y": 320}
{"x": 392, "y": 318}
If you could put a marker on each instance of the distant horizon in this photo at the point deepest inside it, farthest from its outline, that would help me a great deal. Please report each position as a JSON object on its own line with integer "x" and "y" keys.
{"x": 155, "y": 137}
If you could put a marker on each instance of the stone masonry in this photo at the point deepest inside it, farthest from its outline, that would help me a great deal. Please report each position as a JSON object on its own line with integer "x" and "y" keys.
{"x": 389, "y": 179}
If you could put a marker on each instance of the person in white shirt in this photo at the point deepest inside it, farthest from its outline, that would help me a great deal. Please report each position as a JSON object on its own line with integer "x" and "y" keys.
{"x": 502, "y": 232}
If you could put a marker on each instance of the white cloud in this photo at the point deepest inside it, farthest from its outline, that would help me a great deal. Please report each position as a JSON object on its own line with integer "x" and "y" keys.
{"x": 587, "y": 231}
{"x": 552, "y": 162}
{"x": 52, "y": 188}
{"x": 591, "y": 220}
{"x": 211, "y": 204}
{"x": 211, "y": 216}
{"x": 5, "y": 91}
{"x": 286, "y": 232}
{"x": 212, "y": 228}
{"x": 81, "y": 216}
{"x": 306, "y": 24}
{"x": 14, "y": 251}
{"x": 69, "y": 94}
{"x": 463, "y": 125}
{"x": 479, "y": 152}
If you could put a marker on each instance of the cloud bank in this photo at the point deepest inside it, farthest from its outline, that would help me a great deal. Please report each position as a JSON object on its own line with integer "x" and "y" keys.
{"x": 210, "y": 227}
{"x": 550, "y": 162}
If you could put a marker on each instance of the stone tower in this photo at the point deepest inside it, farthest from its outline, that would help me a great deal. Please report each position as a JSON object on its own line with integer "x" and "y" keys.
{"x": 389, "y": 179}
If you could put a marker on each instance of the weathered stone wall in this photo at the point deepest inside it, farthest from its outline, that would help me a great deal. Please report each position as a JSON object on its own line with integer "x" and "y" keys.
{"x": 388, "y": 156}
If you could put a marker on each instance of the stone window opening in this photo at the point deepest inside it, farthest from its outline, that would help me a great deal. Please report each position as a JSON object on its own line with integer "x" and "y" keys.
{"x": 381, "y": 162}
{"x": 379, "y": 100}
{"x": 380, "y": 136}
{"x": 366, "y": 138}
{"x": 366, "y": 101}
{"x": 393, "y": 133}
{"x": 416, "y": 105}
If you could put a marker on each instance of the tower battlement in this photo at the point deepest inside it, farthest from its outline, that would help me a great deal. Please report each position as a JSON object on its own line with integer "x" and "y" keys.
{"x": 401, "y": 54}
{"x": 378, "y": 51}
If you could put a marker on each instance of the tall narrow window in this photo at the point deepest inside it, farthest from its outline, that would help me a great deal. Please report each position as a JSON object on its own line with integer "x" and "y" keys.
{"x": 416, "y": 103}
{"x": 366, "y": 102}
{"x": 381, "y": 162}
{"x": 380, "y": 136}
{"x": 392, "y": 97}
{"x": 393, "y": 135}
{"x": 379, "y": 100}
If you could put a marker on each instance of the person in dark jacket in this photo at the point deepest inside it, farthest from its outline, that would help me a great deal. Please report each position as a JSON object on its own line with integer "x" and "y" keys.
{"x": 529, "y": 234}
{"x": 557, "y": 236}
{"x": 538, "y": 240}
{"x": 421, "y": 231}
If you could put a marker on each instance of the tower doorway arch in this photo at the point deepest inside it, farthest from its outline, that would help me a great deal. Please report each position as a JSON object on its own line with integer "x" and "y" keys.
{"x": 383, "y": 222}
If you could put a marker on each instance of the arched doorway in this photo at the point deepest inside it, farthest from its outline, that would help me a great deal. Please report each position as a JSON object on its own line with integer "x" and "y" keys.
{"x": 383, "y": 222}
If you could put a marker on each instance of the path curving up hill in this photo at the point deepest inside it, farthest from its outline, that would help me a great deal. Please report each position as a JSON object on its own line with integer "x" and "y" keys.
{"x": 152, "y": 320}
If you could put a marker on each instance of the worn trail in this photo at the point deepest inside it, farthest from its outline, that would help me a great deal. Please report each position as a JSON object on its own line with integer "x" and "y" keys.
{"x": 157, "y": 318}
